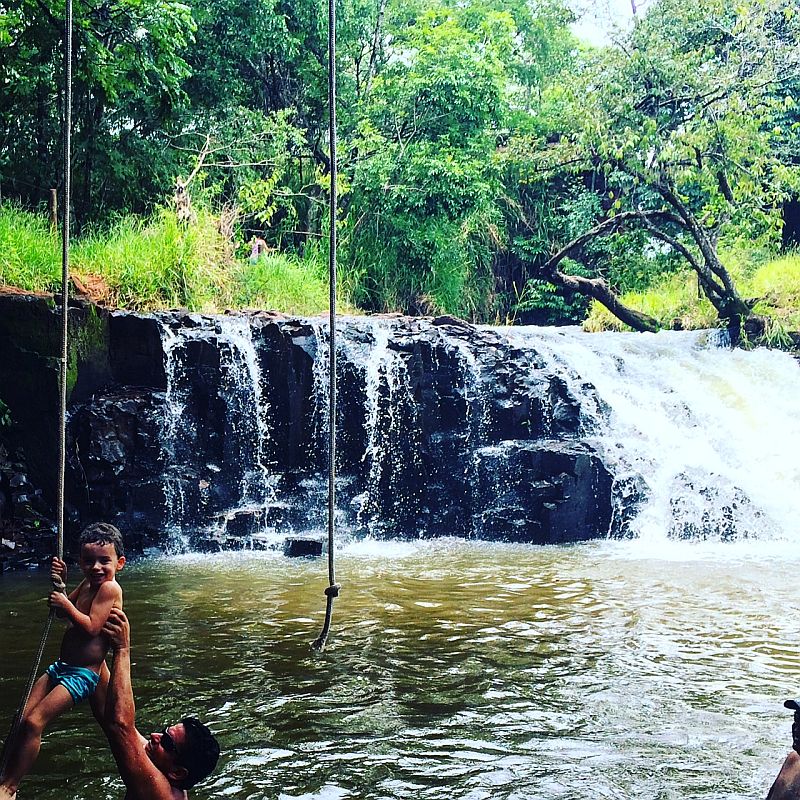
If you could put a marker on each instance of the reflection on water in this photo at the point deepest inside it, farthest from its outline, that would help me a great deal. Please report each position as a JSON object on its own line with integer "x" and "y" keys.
{"x": 454, "y": 670}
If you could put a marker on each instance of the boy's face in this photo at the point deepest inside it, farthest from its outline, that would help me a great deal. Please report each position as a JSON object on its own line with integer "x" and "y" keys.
{"x": 99, "y": 562}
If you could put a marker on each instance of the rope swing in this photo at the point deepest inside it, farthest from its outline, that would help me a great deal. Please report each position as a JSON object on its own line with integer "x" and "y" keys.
{"x": 332, "y": 591}
{"x": 58, "y": 584}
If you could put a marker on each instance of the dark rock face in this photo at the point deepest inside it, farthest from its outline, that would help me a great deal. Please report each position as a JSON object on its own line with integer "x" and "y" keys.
{"x": 211, "y": 431}
{"x": 544, "y": 491}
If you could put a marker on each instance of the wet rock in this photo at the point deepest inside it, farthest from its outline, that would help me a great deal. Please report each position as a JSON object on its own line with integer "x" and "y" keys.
{"x": 444, "y": 428}
{"x": 302, "y": 547}
{"x": 542, "y": 492}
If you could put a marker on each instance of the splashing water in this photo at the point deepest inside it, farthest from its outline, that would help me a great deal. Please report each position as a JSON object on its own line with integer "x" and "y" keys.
{"x": 707, "y": 435}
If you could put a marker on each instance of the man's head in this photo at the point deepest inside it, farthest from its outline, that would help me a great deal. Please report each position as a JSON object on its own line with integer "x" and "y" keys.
{"x": 102, "y": 553}
{"x": 186, "y": 752}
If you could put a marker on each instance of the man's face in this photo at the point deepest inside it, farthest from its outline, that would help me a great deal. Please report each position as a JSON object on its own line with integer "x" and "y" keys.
{"x": 164, "y": 749}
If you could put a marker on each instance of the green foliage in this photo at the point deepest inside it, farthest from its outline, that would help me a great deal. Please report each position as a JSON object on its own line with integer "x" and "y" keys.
{"x": 127, "y": 85}
{"x": 542, "y": 303}
{"x": 285, "y": 283}
{"x": 30, "y": 254}
{"x": 477, "y": 139}
{"x": 681, "y": 123}
{"x": 425, "y": 231}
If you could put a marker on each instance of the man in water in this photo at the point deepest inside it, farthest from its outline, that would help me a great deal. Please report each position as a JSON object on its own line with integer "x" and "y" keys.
{"x": 164, "y": 765}
{"x": 787, "y": 784}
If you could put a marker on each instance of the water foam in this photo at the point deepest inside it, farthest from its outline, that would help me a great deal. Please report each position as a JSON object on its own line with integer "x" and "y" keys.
{"x": 710, "y": 433}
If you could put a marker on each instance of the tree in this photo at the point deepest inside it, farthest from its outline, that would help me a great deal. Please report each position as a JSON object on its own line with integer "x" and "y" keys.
{"x": 422, "y": 207}
{"x": 127, "y": 78}
{"x": 678, "y": 129}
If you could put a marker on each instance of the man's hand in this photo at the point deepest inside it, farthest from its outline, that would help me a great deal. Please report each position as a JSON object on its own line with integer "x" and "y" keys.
{"x": 118, "y": 630}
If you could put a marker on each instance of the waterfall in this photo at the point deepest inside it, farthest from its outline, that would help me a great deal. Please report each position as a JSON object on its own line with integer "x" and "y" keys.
{"x": 390, "y": 414}
{"x": 703, "y": 440}
{"x": 528, "y": 434}
{"x": 233, "y": 391}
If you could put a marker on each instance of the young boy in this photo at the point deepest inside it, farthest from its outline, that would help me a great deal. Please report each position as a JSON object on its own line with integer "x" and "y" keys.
{"x": 77, "y": 673}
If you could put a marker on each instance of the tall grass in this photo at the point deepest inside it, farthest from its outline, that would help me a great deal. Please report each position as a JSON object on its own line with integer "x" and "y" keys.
{"x": 673, "y": 301}
{"x": 284, "y": 283}
{"x": 158, "y": 263}
{"x": 30, "y": 253}
{"x": 776, "y": 285}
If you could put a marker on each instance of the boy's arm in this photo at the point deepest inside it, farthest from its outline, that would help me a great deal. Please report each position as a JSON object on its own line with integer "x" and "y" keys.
{"x": 108, "y": 595}
{"x": 142, "y": 778}
{"x": 73, "y": 595}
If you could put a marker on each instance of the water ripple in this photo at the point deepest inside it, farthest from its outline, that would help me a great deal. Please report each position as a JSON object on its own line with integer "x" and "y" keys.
{"x": 455, "y": 670}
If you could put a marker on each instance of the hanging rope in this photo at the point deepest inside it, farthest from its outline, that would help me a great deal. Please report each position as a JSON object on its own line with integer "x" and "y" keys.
{"x": 332, "y": 591}
{"x": 58, "y": 584}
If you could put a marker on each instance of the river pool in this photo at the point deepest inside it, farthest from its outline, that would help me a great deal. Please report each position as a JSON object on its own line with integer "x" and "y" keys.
{"x": 454, "y": 670}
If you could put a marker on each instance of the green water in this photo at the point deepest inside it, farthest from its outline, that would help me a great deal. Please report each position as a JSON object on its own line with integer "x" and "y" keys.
{"x": 454, "y": 670}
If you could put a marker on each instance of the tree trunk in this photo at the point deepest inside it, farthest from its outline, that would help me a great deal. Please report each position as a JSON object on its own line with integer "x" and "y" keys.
{"x": 597, "y": 288}
{"x": 600, "y": 291}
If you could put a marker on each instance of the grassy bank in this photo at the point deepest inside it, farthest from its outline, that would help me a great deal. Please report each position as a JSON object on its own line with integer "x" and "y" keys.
{"x": 145, "y": 265}
{"x": 675, "y": 302}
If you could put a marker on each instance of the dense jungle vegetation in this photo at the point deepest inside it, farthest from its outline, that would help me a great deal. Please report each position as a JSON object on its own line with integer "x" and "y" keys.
{"x": 492, "y": 166}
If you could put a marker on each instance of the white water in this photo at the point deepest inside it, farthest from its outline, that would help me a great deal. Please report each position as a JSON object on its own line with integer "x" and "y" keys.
{"x": 386, "y": 391}
{"x": 712, "y": 432}
{"x": 247, "y": 414}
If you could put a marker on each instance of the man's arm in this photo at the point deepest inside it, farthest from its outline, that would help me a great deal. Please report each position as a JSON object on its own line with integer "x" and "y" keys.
{"x": 141, "y": 777}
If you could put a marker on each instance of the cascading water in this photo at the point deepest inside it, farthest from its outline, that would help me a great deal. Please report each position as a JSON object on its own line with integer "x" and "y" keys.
{"x": 247, "y": 413}
{"x": 704, "y": 436}
{"x": 242, "y": 452}
{"x": 455, "y": 430}
{"x": 390, "y": 412}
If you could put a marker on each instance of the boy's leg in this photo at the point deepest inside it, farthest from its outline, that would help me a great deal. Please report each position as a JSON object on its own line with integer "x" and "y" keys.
{"x": 29, "y": 736}
{"x": 40, "y": 689}
{"x": 38, "y": 692}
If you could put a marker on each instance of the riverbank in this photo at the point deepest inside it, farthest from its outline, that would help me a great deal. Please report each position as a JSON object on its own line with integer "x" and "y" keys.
{"x": 157, "y": 263}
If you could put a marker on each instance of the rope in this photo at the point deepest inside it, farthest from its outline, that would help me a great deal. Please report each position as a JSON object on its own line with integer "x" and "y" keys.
{"x": 58, "y": 584}
{"x": 332, "y": 590}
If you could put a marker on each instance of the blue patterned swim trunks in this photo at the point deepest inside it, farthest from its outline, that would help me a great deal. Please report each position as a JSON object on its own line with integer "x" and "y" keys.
{"x": 80, "y": 682}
